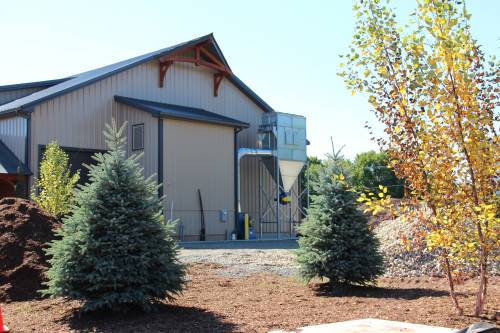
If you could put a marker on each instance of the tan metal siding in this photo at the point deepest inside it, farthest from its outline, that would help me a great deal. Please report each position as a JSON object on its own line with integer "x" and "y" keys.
{"x": 77, "y": 128}
{"x": 132, "y": 116}
{"x": 13, "y": 134}
{"x": 11, "y": 95}
{"x": 77, "y": 119}
{"x": 199, "y": 156}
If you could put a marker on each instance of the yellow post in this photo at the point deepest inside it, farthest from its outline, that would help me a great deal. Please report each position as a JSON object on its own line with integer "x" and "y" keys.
{"x": 247, "y": 227}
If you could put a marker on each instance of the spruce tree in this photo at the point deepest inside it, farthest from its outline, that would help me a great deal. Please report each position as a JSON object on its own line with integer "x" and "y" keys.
{"x": 116, "y": 252}
{"x": 336, "y": 242}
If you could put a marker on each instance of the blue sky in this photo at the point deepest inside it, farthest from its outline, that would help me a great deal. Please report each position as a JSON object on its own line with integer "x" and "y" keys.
{"x": 287, "y": 51}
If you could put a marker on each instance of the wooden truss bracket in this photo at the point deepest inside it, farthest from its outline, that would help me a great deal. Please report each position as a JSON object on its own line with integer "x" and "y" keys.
{"x": 164, "y": 65}
{"x": 199, "y": 56}
{"x": 217, "y": 80}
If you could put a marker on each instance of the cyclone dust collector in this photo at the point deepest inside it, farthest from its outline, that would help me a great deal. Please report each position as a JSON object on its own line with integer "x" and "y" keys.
{"x": 282, "y": 148}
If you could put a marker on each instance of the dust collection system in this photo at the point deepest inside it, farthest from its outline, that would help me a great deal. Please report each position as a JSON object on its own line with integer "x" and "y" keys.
{"x": 282, "y": 151}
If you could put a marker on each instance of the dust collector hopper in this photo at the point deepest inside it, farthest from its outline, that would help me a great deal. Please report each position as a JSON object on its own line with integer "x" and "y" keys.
{"x": 285, "y": 135}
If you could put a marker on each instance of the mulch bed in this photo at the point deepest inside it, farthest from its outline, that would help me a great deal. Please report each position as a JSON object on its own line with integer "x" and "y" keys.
{"x": 259, "y": 303}
{"x": 25, "y": 230}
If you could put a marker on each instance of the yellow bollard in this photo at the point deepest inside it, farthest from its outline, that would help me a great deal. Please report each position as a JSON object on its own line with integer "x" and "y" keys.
{"x": 247, "y": 227}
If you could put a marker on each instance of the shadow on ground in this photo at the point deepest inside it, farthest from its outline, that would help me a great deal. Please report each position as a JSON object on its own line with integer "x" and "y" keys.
{"x": 165, "y": 318}
{"x": 324, "y": 289}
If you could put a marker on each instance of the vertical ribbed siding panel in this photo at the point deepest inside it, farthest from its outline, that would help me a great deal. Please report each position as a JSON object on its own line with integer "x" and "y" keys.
{"x": 13, "y": 134}
{"x": 88, "y": 125}
{"x": 77, "y": 119}
{"x": 199, "y": 156}
{"x": 132, "y": 116}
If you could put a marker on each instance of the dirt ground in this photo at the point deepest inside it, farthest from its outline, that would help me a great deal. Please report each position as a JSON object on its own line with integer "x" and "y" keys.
{"x": 25, "y": 229}
{"x": 259, "y": 303}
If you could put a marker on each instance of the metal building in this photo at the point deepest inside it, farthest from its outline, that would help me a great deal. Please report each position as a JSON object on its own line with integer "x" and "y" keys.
{"x": 186, "y": 111}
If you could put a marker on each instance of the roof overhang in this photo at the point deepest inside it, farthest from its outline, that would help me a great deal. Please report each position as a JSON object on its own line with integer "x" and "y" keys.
{"x": 27, "y": 103}
{"x": 173, "y": 111}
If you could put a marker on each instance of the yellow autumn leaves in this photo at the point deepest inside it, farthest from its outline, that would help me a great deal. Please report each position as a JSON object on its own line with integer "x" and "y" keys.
{"x": 435, "y": 94}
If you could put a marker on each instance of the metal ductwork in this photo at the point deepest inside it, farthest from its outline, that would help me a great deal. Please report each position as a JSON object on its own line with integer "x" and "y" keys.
{"x": 242, "y": 152}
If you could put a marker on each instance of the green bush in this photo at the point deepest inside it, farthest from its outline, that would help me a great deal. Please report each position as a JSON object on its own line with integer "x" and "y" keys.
{"x": 55, "y": 184}
{"x": 115, "y": 251}
{"x": 308, "y": 177}
{"x": 336, "y": 242}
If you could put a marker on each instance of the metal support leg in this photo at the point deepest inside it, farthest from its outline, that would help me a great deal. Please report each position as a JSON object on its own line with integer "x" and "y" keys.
{"x": 290, "y": 215}
{"x": 308, "y": 170}
{"x": 277, "y": 199}
{"x": 260, "y": 200}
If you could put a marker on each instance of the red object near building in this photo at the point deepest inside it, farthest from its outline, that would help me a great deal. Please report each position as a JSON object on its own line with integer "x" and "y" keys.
{"x": 3, "y": 328}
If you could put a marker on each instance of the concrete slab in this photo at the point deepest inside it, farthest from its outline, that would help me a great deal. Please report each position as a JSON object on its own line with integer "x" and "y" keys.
{"x": 258, "y": 244}
{"x": 370, "y": 325}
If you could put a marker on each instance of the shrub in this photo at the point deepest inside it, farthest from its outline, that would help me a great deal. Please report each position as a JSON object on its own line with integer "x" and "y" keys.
{"x": 116, "y": 252}
{"x": 55, "y": 184}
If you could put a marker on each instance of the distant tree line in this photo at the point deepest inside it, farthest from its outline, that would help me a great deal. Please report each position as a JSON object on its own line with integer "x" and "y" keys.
{"x": 365, "y": 173}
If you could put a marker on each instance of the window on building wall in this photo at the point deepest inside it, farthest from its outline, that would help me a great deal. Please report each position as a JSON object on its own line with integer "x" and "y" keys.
{"x": 138, "y": 137}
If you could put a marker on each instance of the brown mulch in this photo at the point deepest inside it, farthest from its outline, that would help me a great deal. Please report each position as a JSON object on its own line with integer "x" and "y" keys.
{"x": 25, "y": 230}
{"x": 259, "y": 303}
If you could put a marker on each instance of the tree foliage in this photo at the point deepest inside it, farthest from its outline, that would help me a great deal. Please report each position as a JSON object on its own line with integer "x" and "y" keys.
{"x": 431, "y": 86}
{"x": 308, "y": 178}
{"x": 336, "y": 242}
{"x": 370, "y": 170}
{"x": 115, "y": 251}
{"x": 55, "y": 184}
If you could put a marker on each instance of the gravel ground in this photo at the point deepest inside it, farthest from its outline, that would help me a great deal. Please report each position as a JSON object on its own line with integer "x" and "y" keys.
{"x": 400, "y": 261}
{"x": 245, "y": 258}
{"x": 238, "y": 259}
{"x": 414, "y": 260}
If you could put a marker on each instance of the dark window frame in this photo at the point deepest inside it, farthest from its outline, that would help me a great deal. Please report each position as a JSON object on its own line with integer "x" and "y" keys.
{"x": 143, "y": 136}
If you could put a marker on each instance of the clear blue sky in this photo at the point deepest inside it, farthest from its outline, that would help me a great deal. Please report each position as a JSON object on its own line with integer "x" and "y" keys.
{"x": 287, "y": 51}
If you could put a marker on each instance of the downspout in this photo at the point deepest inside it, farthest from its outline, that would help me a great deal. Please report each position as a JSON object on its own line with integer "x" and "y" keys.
{"x": 27, "y": 152}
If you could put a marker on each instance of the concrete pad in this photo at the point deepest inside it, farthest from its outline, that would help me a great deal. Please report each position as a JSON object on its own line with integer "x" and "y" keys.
{"x": 370, "y": 325}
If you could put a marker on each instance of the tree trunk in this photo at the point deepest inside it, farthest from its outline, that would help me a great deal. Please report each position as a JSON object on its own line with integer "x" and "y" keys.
{"x": 483, "y": 281}
{"x": 451, "y": 285}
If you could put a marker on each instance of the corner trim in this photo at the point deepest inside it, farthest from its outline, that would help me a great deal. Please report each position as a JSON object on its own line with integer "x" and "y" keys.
{"x": 235, "y": 176}
{"x": 160, "y": 157}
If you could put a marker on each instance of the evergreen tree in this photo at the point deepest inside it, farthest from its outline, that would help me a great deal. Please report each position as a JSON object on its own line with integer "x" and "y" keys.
{"x": 115, "y": 251}
{"x": 336, "y": 242}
